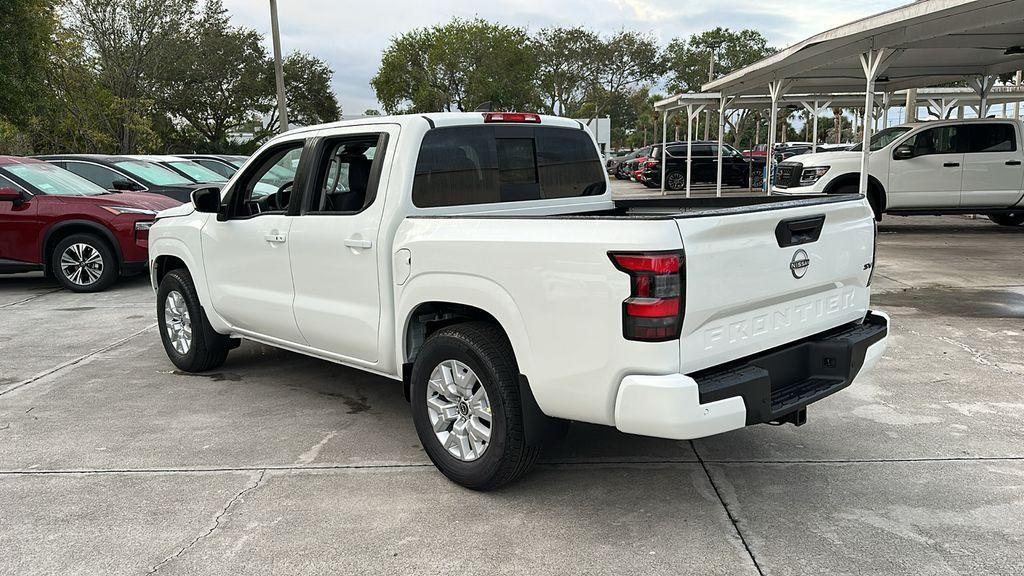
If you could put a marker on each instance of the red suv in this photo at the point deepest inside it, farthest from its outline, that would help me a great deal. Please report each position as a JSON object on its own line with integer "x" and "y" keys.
{"x": 63, "y": 224}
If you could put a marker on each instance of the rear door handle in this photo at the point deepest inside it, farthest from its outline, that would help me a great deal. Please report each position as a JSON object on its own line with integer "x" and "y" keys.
{"x": 1013, "y": 162}
{"x": 275, "y": 238}
{"x": 356, "y": 243}
{"x": 950, "y": 164}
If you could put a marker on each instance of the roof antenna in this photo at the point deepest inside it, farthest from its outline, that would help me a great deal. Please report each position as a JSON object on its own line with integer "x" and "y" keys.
{"x": 485, "y": 107}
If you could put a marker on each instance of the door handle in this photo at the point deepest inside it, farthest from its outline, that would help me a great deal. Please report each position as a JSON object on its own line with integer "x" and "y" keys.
{"x": 275, "y": 238}
{"x": 1013, "y": 162}
{"x": 356, "y": 243}
{"x": 950, "y": 164}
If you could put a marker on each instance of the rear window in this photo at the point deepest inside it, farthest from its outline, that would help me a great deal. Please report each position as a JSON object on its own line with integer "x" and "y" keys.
{"x": 492, "y": 164}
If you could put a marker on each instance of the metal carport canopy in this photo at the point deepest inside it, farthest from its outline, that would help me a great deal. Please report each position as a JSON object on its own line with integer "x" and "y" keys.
{"x": 926, "y": 43}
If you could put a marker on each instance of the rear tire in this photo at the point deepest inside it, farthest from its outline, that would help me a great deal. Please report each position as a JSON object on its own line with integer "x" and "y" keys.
{"x": 84, "y": 263}
{"x": 451, "y": 369}
{"x": 190, "y": 342}
{"x": 1008, "y": 219}
{"x": 675, "y": 181}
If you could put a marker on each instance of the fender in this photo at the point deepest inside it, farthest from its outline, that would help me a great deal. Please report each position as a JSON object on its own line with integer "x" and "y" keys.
{"x": 468, "y": 290}
{"x": 93, "y": 226}
{"x": 166, "y": 245}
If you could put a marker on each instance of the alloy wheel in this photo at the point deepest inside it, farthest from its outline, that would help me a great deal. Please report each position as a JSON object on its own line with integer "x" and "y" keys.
{"x": 459, "y": 410}
{"x": 177, "y": 322}
{"x": 81, "y": 264}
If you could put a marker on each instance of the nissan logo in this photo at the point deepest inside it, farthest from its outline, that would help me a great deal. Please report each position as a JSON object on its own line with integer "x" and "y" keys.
{"x": 798, "y": 266}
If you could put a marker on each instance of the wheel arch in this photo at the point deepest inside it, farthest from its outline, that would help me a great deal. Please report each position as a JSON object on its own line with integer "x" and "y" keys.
{"x": 874, "y": 186}
{"x": 61, "y": 230}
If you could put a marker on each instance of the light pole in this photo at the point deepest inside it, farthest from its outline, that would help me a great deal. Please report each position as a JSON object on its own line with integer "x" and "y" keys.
{"x": 282, "y": 105}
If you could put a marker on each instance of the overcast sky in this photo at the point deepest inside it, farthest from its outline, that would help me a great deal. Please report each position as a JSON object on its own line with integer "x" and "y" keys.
{"x": 352, "y": 35}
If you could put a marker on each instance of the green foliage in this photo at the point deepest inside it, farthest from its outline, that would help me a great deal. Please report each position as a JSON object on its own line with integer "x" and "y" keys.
{"x": 567, "y": 66}
{"x": 456, "y": 67}
{"x": 25, "y": 28}
{"x": 689, "y": 60}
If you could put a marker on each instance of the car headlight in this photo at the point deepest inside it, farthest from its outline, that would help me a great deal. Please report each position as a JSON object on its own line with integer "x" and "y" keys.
{"x": 128, "y": 210}
{"x": 143, "y": 225}
{"x": 813, "y": 174}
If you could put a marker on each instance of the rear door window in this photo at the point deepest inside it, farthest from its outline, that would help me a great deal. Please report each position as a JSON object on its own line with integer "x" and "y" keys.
{"x": 468, "y": 165}
{"x": 991, "y": 138}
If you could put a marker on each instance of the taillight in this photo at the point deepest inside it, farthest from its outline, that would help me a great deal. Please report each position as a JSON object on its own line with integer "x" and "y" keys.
{"x": 652, "y": 163}
{"x": 654, "y": 310}
{"x": 526, "y": 117}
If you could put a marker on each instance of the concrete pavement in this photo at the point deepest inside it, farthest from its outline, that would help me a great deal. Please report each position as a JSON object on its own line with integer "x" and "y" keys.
{"x": 113, "y": 463}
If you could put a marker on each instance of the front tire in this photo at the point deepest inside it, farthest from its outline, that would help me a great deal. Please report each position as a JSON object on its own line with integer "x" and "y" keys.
{"x": 84, "y": 263}
{"x": 466, "y": 406}
{"x": 189, "y": 340}
{"x": 1008, "y": 219}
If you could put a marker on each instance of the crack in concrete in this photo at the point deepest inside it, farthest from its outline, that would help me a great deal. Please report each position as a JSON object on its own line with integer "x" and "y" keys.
{"x": 976, "y": 355}
{"x": 75, "y": 361}
{"x": 30, "y": 298}
{"x": 216, "y": 524}
{"x": 543, "y": 464}
{"x": 728, "y": 511}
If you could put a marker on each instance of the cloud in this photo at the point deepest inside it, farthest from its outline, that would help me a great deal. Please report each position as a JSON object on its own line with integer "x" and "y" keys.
{"x": 350, "y": 36}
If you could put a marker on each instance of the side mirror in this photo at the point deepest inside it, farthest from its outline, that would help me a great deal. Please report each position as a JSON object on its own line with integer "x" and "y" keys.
{"x": 10, "y": 195}
{"x": 126, "y": 186}
{"x": 207, "y": 200}
{"x": 903, "y": 152}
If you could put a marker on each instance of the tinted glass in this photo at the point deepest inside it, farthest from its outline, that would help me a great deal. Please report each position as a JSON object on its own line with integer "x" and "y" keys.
{"x": 219, "y": 167}
{"x": 882, "y": 138}
{"x": 152, "y": 173}
{"x": 6, "y": 182}
{"x": 992, "y": 138}
{"x": 197, "y": 172}
{"x": 55, "y": 181}
{"x": 345, "y": 178}
{"x": 491, "y": 164}
{"x": 939, "y": 140}
{"x": 99, "y": 175}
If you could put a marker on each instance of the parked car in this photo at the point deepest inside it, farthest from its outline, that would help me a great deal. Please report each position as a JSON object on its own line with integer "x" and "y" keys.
{"x": 704, "y": 156}
{"x": 223, "y": 164}
{"x": 184, "y": 167}
{"x": 81, "y": 234}
{"x": 124, "y": 174}
{"x": 613, "y": 164}
{"x": 938, "y": 167}
{"x": 634, "y": 167}
{"x": 480, "y": 260}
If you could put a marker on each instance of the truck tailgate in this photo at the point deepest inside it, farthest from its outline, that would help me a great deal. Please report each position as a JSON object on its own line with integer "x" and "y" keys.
{"x": 761, "y": 279}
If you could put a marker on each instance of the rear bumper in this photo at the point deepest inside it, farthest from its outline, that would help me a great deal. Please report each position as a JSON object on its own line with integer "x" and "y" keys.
{"x": 766, "y": 387}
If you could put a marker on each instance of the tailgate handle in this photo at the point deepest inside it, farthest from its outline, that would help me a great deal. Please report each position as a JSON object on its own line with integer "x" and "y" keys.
{"x": 797, "y": 231}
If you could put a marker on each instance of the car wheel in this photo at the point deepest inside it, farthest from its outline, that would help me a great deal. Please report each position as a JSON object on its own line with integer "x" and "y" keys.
{"x": 854, "y": 188}
{"x": 466, "y": 406}
{"x": 1008, "y": 219}
{"x": 190, "y": 342}
{"x": 675, "y": 181}
{"x": 84, "y": 263}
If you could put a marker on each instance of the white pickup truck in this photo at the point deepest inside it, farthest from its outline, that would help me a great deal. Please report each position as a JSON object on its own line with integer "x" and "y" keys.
{"x": 480, "y": 259}
{"x": 938, "y": 167}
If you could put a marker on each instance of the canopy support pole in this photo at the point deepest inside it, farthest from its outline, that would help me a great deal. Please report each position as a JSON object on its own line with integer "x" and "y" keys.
{"x": 982, "y": 85}
{"x": 664, "y": 129}
{"x": 886, "y": 103}
{"x": 871, "y": 62}
{"x": 722, "y": 103}
{"x": 691, "y": 114}
{"x": 814, "y": 111}
{"x": 776, "y": 89}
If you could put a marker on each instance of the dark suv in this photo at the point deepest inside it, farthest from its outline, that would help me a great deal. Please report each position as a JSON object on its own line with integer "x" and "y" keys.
{"x": 81, "y": 234}
{"x": 124, "y": 174}
{"x": 735, "y": 168}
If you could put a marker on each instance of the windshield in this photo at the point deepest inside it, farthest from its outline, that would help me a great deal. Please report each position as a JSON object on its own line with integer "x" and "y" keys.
{"x": 51, "y": 180}
{"x": 884, "y": 138}
{"x": 152, "y": 173}
{"x": 197, "y": 172}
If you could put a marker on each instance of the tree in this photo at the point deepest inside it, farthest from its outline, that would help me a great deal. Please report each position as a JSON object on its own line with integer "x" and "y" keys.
{"x": 126, "y": 44}
{"x": 307, "y": 85}
{"x": 371, "y": 112}
{"x": 457, "y": 66}
{"x": 25, "y": 28}
{"x": 627, "y": 60}
{"x": 689, "y": 60}
{"x": 567, "y": 63}
{"x": 215, "y": 84}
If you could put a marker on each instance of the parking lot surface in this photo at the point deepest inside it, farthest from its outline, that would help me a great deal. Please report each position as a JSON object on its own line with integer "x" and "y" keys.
{"x": 113, "y": 463}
